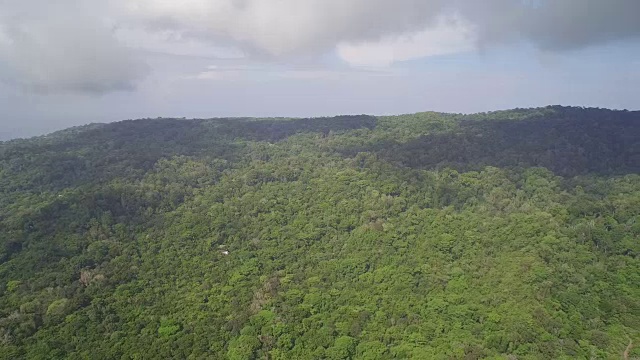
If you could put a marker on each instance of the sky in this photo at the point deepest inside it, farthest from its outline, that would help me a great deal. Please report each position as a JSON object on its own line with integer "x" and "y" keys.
{"x": 71, "y": 62}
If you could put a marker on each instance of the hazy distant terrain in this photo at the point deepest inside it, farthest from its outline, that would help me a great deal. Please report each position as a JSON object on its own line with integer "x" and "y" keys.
{"x": 503, "y": 235}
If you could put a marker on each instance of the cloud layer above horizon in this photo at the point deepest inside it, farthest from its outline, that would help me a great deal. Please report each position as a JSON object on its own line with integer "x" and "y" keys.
{"x": 76, "y": 47}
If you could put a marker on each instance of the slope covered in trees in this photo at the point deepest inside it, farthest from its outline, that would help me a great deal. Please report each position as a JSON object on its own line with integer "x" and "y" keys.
{"x": 504, "y": 235}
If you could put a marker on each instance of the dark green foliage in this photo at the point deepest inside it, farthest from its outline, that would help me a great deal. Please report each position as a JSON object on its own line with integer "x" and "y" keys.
{"x": 504, "y": 235}
{"x": 568, "y": 141}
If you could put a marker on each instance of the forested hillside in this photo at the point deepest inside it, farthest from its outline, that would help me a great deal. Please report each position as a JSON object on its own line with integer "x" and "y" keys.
{"x": 504, "y": 235}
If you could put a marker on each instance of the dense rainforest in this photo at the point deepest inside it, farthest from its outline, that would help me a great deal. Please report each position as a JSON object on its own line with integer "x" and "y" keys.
{"x": 502, "y": 235}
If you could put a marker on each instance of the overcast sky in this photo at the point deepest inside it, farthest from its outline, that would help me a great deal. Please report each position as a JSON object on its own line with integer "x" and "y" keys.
{"x": 72, "y": 62}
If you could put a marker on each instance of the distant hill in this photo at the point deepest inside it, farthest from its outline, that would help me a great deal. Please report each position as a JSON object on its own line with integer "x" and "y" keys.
{"x": 511, "y": 234}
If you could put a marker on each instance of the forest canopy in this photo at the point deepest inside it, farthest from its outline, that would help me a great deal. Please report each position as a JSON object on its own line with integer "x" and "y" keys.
{"x": 502, "y": 235}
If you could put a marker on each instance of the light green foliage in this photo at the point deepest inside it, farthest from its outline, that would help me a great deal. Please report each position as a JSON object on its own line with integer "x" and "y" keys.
{"x": 243, "y": 347}
{"x": 13, "y": 285}
{"x": 430, "y": 236}
{"x": 57, "y": 309}
{"x": 168, "y": 328}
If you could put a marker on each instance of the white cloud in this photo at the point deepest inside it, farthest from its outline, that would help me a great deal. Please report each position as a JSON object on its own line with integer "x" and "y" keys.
{"x": 284, "y": 27}
{"x": 219, "y": 72}
{"x": 173, "y": 42}
{"x": 450, "y": 35}
{"x": 210, "y": 75}
{"x": 248, "y": 72}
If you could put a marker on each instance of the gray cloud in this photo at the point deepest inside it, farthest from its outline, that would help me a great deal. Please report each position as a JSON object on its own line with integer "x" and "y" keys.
{"x": 288, "y": 27}
{"x": 62, "y": 48}
{"x": 554, "y": 25}
{"x": 70, "y": 46}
